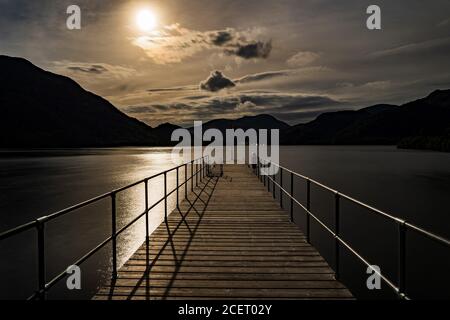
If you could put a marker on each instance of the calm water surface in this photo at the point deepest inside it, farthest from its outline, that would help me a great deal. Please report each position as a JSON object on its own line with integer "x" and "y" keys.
{"x": 413, "y": 185}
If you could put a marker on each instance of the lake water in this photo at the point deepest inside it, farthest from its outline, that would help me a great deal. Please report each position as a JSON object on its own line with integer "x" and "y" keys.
{"x": 413, "y": 185}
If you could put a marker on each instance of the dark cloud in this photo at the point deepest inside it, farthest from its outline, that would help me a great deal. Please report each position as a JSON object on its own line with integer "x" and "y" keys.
{"x": 253, "y": 50}
{"x": 198, "y": 97}
{"x": 288, "y": 102}
{"x": 143, "y": 109}
{"x": 95, "y": 69}
{"x": 171, "y": 89}
{"x": 221, "y": 37}
{"x": 216, "y": 81}
{"x": 156, "y": 108}
{"x": 240, "y": 46}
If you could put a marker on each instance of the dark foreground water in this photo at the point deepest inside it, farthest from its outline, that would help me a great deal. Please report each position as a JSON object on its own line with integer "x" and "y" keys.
{"x": 413, "y": 185}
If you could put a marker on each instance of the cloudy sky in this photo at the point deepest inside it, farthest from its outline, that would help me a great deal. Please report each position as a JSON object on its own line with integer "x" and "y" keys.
{"x": 207, "y": 59}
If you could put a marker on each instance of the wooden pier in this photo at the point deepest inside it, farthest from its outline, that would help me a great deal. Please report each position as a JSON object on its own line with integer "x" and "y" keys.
{"x": 228, "y": 240}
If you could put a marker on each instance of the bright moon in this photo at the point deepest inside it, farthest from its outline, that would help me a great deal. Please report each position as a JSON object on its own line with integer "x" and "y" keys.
{"x": 146, "y": 20}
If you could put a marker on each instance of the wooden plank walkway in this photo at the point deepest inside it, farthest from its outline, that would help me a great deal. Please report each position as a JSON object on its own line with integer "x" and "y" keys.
{"x": 228, "y": 240}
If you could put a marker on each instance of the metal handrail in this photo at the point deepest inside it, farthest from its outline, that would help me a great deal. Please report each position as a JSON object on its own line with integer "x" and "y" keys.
{"x": 403, "y": 225}
{"x": 202, "y": 168}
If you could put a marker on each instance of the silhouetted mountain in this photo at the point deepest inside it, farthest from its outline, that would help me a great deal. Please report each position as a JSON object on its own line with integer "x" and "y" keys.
{"x": 42, "y": 109}
{"x": 164, "y": 132}
{"x": 327, "y": 127}
{"x": 380, "y": 124}
{"x": 263, "y": 121}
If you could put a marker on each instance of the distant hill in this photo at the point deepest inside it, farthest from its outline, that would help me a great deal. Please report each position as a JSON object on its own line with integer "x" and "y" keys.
{"x": 408, "y": 125}
{"x": 262, "y": 121}
{"x": 329, "y": 128}
{"x": 42, "y": 109}
{"x": 164, "y": 133}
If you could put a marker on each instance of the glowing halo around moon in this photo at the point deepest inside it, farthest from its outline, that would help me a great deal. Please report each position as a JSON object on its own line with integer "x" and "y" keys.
{"x": 146, "y": 20}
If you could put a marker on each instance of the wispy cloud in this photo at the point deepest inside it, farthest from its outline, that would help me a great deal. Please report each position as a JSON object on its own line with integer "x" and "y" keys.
{"x": 415, "y": 48}
{"x": 443, "y": 23}
{"x": 302, "y": 58}
{"x": 263, "y": 76}
{"x": 102, "y": 70}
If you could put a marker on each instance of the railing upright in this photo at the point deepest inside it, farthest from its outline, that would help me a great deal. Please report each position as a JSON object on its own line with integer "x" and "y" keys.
{"x": 192, "y": 175}
{"x": 178, "y": 196}
{"x": 196, "y": 174}
{"x": 336, "y": 235}
{"x": 402, "y": 258}
{"x": 274, "y": 178}
{"x": 113, "y": 234}
{"x": 41, "y": 258}
{"x": 185, "y": 180}
{"x": 292, "y": 197}
{"x": 165, "y": 196}
{"x": 147, "y": 235}
{"x": 259, "y": 169}
{"x": 281, "y": 188}
{"x": 202, "y": 168}
{"x": 308, "y": 207}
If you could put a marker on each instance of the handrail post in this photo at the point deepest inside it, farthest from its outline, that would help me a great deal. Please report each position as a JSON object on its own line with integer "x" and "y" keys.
{"x": 401, "y": 258}
{"x": 336, "y": 235}
{"x": 185, "y": 180}
{"x": 196, "y": 174}
{"x": 264, "y": 179}
{"x": 41, "y": 258}
{"x": 202, "y": 168}
{"x": 178, "y": 196}
{"x": 146, "y": 216}
{"x": 292, "y": 196}
{"x": 281, "y": 188}
{"x": 165, "y": 196}
{"x": 274, "y": 177}
{"x": 192, "y": 175}
{"x": 113, "y": 235}
{"x": 259, "y": 169}
{"x": 308, "y": 207}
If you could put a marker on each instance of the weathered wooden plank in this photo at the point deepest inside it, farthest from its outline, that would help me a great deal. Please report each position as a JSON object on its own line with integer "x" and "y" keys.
{"x": 211, "y": 276}
{"x": 223, "y": 257}
{"x": 223, "y": 269}
{"x": 230, "y": 284}
{"x": 228, "y": 293}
